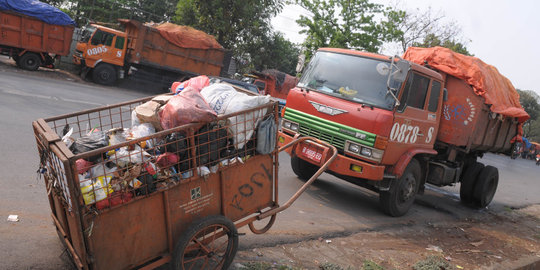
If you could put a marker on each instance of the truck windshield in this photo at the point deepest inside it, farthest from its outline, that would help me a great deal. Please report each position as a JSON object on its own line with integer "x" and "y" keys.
{"x": 87, "y": 33}
{"x": 350, "y": 77}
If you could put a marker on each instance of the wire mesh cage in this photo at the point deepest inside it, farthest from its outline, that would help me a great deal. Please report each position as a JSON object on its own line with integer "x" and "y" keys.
{"x": 113, "y": 158}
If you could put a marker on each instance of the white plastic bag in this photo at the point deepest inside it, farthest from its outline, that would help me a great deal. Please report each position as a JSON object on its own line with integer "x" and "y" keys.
{"x": 143, "y": 130}
{"x": 124, "y": 157}
{"x": 218, "y": 96}
{"x": 67, "y": 138}
{"x": 242, "y": 126}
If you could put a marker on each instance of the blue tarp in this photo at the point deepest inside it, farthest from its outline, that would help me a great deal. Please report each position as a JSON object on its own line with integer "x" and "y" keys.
{"x": 39, "y": 10}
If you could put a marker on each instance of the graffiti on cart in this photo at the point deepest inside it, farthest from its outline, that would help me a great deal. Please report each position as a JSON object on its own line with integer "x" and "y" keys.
{"x": 256, "y": 183}
{"x": 460, "y": 113}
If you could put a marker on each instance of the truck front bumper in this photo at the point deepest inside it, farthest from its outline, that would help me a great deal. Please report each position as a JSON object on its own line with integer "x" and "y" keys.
{"x": 342, "y": 165}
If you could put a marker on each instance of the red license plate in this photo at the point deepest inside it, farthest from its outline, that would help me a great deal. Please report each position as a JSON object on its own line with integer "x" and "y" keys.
{"x": 311, "y": 154}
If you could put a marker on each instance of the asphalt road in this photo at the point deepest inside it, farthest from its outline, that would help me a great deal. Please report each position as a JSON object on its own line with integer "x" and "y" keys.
{"x": 330, "y": 207}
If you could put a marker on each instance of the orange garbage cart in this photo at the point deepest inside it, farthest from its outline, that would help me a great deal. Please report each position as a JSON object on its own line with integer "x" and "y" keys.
{"x": 174, "y": 196}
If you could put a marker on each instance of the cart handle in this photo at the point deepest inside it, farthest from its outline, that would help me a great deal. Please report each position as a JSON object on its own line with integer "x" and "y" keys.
{"x": 309, "y": 182}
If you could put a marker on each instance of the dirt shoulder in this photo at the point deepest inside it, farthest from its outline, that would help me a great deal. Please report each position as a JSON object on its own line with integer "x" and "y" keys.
{"x": 506, "y": 240}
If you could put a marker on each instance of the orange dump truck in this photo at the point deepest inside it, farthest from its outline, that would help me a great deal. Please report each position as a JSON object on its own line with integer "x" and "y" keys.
{"x": 401, "y": 123}
{"x": 31, "y": 41}
{"x": 161, "y": 54}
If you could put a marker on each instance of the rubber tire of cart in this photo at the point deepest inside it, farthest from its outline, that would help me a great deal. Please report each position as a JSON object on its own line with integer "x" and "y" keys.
{"x": 468, "y": 181}
{"x": 303, "y": 169}
{"x": 29, "y": 61}
{"x": 104, "y": 74}
{"x": 206, "y": 227}
{"x": 395, "y": 202}
{"x": 486, "y": 186}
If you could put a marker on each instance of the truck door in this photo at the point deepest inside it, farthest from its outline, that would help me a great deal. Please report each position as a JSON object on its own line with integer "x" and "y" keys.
{"x": 101, "y": 48}
{"x": 416, "y": 120}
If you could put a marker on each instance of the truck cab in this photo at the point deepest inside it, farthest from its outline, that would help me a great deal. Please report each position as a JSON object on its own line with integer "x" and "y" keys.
{"x": 378, "y": 111}
{"x": 102, "y": 50}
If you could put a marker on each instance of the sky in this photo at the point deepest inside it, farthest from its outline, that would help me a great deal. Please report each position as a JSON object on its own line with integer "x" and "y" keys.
{"x": 502, "y": 33}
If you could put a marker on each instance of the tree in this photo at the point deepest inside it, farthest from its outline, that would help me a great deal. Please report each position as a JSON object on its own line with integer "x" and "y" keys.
{"x": 529, "y": 101}
{"x": 109, "y": 11}
{"x": 233, "y": 22}
{"x": 344, "y": 24}
{"x": 425, "y": 29}
{"x": 242, "y": 26}
{"x": 273, "y": 52}
{"x": 432, "y": 40}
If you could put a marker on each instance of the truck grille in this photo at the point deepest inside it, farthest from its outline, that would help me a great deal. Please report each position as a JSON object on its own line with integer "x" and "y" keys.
{"x": 325, "y": 130}
{"x": 337, "y": 142}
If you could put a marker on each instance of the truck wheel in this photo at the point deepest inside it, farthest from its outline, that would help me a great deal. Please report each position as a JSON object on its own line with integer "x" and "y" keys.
{"x": 485, "y": 187}
{"x": 466, "y": 190}
{"x": 29, "y": 61}
{"x": 210, "y": 243}
{"x": 399, "y": 199}
{"x": 303, "y": 169}
{"x": 104, "y": 74}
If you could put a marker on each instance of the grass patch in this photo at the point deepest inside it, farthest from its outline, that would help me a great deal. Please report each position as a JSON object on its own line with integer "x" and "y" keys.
{"x": 433, "y": 263}
{"x": 371, "y": 265}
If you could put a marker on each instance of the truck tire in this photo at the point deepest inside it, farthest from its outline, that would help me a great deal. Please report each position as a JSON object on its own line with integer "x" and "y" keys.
{"x": 29, "y": 61}
{"x": 468, "y": 181}
{"x": 104, "y": 74}
{"x": 210, "y": 243}
{"x": 399, "y": 198}
{"x": 303, "y": 169}
{"x": 486, "y": 186}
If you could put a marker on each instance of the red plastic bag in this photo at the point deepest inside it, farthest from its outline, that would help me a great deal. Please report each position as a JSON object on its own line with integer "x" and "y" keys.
{"x": 83, "y": 165}
{"x": 187, "y": 107}
{"x": 198, "y": 83}
{"x": 116, "y": 198}
{"x": 167, "y": 160}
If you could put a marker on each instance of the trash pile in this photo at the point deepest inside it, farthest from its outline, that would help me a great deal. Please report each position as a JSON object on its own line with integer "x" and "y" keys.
{"x": 160, "y": 149}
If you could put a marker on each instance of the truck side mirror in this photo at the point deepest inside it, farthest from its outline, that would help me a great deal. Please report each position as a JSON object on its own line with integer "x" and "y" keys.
{"x": 445, "y": 94}
{"x": 402, "y": 69}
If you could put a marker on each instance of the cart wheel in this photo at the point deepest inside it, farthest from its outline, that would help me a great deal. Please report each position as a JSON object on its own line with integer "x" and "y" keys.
{"x": 468, "y": 181}
{"x": 265, "y": 229}
{"x": 485, "y": 187}
{"x": 398, "y": 200}
{"x": 303, "y": 169}
{"x": 210, "y": 243}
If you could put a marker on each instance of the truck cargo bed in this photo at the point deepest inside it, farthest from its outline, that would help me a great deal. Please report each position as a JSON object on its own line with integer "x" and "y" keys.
{"x": 28, "y": 33}
{"x": 148, "y": 47}
{"x": 468, "y": 122}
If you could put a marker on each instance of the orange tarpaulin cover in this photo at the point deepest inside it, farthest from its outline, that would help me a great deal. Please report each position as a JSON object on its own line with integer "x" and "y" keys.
{"x": 484, "y": 79}
{"x": 187, "y": 37}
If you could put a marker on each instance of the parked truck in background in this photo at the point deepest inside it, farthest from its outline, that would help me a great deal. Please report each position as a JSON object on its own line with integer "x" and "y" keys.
{"x": 36, "y": 39}
{"x": 399, "y": 125}
{"x": 161, "y": 54}
{"x": 272, "y": 82}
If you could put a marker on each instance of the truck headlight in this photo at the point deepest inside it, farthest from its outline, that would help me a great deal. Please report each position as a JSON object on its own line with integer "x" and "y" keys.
{"x": 363, "y": 151}
{"x": 290, "y": 125}
{"x": 355, "y": 148}
{"x": 366, "y": 152}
